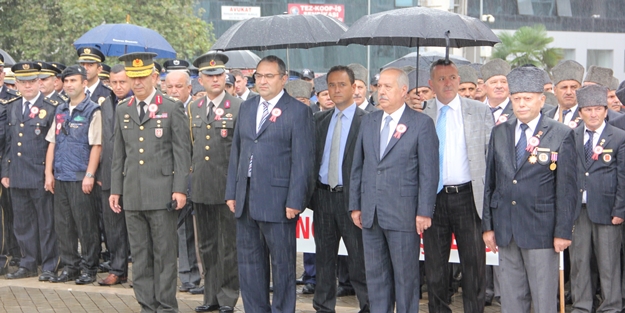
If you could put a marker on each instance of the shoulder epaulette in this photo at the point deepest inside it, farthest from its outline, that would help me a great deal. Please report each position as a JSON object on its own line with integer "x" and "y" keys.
{"x": 64, "y": 97}
{"x": 124, "y": 100}
{"x": 11, "y": 100}
{"x": 50, "y": 101}
{"x": 168, "y": 97}
{"x": 13, "y": 92}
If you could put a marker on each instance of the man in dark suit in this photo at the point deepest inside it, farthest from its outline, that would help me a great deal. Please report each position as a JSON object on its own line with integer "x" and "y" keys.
{"x": 567, "y": 77}
{"x": 463, "y": 129}
{"x": 240, "y": 86}
{"x": 213, "y": 119}
{"x": 393, "y": 193}
{"x": 29, "y": 118}
{"x": 529, "y": 197}
{"x": 114, "y": 222}
{"x": 91, "y": 59}
{"x": 496, "y": 88}
{"x": 361, "y": 94}
{"x": 601, "y": 203}
{"x": 269, "y": 177}
{"x": 151, "y": 162}
{"x": 336, "y": 132}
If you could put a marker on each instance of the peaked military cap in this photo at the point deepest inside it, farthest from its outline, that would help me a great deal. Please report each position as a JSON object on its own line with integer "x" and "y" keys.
{"x": 48, "y": 70}
{"x": 525, "y": 79}
{"x": 60, "y": 66}
{"x": 467, "y": 75}
{"x": 9, "y": 77}
{"x": 157, "y": 67}
{"x": 360, "y": 72}
{"x": 599, "y": 75}
{"x": 175, "y": 64}
{"x": 567, "y": 70}
{"x": 26, "y": 70}
{"x": 321, "y": 83}
{"x": 306, "y": 73}
{"x": 592, "y": 95}
{"x": 105, "y": 72}
{"x": 211, "y": 63}
{"x": 138, "y": 64}
{"x": 298, "y": 88}
{"x": 90, "y": 55}
{"x": 375, "y": 79}
{"x": 495, "y": 67}
{"x": 230, "y": 79}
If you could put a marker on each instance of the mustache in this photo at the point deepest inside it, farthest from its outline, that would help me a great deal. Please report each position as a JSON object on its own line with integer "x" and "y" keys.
{"x": 382, "y": 98}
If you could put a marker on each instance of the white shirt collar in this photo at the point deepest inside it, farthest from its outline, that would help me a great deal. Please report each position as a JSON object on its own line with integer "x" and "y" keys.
{"x": 395, "y": 115}
{"x": 598, "y": 131}
{"x": 454, "y": 104}
{"x": 364, "y": 104}
{"x": 93, "y": 87}
{"x": 245, "y": 94}
{"x": 147, "y": 100}
{"x": 532, "y": 124}
{"x": 274, "y": 100}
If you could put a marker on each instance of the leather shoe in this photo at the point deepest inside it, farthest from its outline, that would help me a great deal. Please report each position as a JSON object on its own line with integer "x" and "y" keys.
{"x": 207, "y": 308}
{"x": 308, "y": 289}
{"x": 198, "y": 291}
{"x": 226, "y": 309}
{"x": 85, "y": 278}
{"x": 64, "y": 277}
{"x": 21, "y": 273}
{"x": 15, "y": 261}
{"x": 186, "y": 287}
{"x": 344, "y": 292}
{"x": 46, "y": 276}
{"x": 113, "y": 279}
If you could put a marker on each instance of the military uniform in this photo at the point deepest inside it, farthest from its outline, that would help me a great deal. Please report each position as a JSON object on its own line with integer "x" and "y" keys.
{"x": 151, "y": 160}
{"x": 23, "y": 163}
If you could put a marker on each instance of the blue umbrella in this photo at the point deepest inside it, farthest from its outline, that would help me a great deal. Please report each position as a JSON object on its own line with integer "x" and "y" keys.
{"x": 119, "y": 39}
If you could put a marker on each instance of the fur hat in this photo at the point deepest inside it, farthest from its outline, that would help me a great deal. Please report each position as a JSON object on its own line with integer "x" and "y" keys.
{"x": 360, "y": 72}
{"x": 495, "y": 67}
{"x": 467, "y": 75}
{"x": 526, "y": 79}
{"x": 298, "y": 88}
{"x": 592, "y": 95}
{"x": 567, "y": 70}
{"x": 599, "y": 75}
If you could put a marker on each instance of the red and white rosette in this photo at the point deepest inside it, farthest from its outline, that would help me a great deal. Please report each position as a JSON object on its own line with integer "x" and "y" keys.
{"x": 597, "y": 151}
{"x": 532, "y": 144}
{"x": 502, "y": 118}
{"x": 218, "y": 113}
{"x": 59, "y": 125}
{"x": 152, "y": 108}
{"x": 399, "y": 130}
{"x": 33, "y": 112}
{"x": 573, "y": 124}
{"x": 274, "y": 114}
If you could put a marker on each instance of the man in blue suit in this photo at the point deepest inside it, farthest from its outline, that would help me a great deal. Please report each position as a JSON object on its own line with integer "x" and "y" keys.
{"x": 530, "y": 195}
{"x": 393, "y": 192}
{"x": 270, "y": 177}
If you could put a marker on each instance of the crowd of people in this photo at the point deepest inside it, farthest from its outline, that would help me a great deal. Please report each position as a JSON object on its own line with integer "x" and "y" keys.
{"x": 203, "y": 175}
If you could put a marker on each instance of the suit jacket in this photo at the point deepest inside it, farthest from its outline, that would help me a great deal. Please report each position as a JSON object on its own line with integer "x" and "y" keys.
{"x": 108, "y": 140}
{"x": 251, "y": 95}
{"x": 24, "y": 156}
{"x": 618, "y": 122}
{"x": 370, "y": 108}
{"x": 478, "y": 122}
{"x": 531, "y": 203}
{"x": 212, "y": 140}
{"x": 151, "y": 159}
{"x": 552, "y": 114}
{"x": 402, "y": 184}
{"x": 283, "y": 160}
{"x": 604, "y": 179}
{"x": 322, "y": 124}
{"x": 102, "y": 92}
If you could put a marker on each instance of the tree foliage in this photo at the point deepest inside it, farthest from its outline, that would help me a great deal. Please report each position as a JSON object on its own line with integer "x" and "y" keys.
{"x": 528, "y": 45}
{"x": 46, "y": 29}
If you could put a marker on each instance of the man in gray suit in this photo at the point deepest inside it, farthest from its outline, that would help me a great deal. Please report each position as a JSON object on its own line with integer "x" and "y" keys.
{"x": 601, "y": 204}
{"x": 529, "y": 197}
{"x": 361, "y": 93}
{"x": 393, "y": 193}
{"x": 463, "y": 129}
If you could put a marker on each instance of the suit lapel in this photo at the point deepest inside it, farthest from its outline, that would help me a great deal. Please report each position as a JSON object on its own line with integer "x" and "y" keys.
{"x": 377, "y": 120}
{"x": 579, "y": 144}
{"x": 353, "y": 130}
{"x": 134, "y": 111}
{"x": 324, "y": 128}
{"x": 605, "y": 135}
{"x": 402, "y": 120}
{"x": 280, "y": 105}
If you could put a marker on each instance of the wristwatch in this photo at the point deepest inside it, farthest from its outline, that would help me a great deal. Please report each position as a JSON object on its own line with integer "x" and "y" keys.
{"x": 89, "y": 175}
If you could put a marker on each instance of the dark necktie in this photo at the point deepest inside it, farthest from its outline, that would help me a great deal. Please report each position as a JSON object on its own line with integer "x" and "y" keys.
{"x": 211, "y": 106}
{"x": 521, "y": 145}
{"x": 588, "y": 147}
{"x": 141, "y": 110}
{"x": 495, "y": 109}
{"x": 26, "y": 110}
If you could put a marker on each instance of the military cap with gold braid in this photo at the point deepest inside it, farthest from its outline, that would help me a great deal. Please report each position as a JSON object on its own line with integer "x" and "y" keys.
{"x": 211, "y": 63}
{"x": 26, "y": 70}
{"x": 105, "y": 73}
{"x": 138, "y": 64}
{"x": 60, "y": 66}
{"x": 47, "y": 70}
{"x": 90, "y": 55}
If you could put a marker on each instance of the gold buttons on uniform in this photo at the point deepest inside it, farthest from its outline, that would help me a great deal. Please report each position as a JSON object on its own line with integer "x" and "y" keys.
{"x": 21, "y": 124}
{"x": 140, "y": 138}
{"x": 141, "y": 127}
{"x": 207, "y": 148}
{"x": 141, "y": 150}
{"x": 208, "y": 127}
{"x": 514, "y": 181}
{"x": 19, "y": 144}
{"x": 207, "y": 158}
{"x": 513, "y": 202}
{"x": 141, "y": 162}
{"x": 20, "y": 134}
{"x": 19, "y": 154}
{"x": 586, "y": 174}
{"x": 208, "y": 137}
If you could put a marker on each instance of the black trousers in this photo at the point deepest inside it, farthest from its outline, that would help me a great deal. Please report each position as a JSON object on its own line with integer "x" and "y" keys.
{"x": 116, "y": 235}
{"x": 9, "y": 243}
{"x": 76, "y": 217}
{"x": 217, "y": 242}
{"x": 332, "y": 222}
{"x": 455, "y": 213}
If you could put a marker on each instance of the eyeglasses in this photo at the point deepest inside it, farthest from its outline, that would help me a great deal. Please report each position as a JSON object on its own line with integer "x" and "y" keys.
{"x": 268, "y": 76}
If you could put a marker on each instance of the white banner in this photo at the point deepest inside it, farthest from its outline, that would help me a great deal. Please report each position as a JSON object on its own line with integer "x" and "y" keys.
{"x": 231, "y": 13}
{"x": 306, "y": 241}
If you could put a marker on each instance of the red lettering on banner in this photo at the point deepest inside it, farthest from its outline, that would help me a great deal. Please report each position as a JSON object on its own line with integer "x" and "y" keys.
{"x": 305, "y": 226}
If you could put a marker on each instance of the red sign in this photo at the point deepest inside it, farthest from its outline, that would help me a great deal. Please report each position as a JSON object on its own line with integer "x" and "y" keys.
{"x": 336, "y": 11}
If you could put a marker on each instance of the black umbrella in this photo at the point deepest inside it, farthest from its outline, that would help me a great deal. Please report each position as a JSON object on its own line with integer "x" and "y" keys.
{"x": 425, "y": 59}
{"x": 8, "y": 60}
{"x": 242, "y": 59}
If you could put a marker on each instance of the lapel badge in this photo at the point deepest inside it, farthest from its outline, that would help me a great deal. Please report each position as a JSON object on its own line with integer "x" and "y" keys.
{"x": 224, "y": 133}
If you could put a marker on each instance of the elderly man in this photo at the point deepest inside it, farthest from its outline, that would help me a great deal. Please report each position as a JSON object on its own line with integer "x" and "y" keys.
{"x": 463, "y": 129}
{"x": 529, "y": 197}
{"x": 468, "y": 82}
{"x": 361, "y": 93}
{"x": 324, "y": 102}
{"x": 151, "y": 162}
{"x": 418, "y": 90}
{"x": 567, "y": 77}
{"x": 496, "y": 89}
{"x": 392, "y": 194}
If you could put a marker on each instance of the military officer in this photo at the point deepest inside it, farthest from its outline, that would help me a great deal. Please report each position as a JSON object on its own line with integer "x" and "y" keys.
{"x": 91, "y": 59}
{"x": 29, "y": 119}
{"x": 212, "y": 124}
{"x": 58, "y": 84}
{"x": 176, "y": 65}
{"x": 151, "y": 162}
{"x": 47, "y": 81}
{"x": 105, "y": 75}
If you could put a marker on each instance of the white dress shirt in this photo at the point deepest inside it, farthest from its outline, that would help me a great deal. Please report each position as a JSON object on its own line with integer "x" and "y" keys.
{"x": 392, "y": 125}
{"x": 502, "y": 105}
{"x": 93, "y": 87}
{"x": 215, "y": 101}
{"x": 365, "y": 104}
{"x": 245, "y": 94}
{"x": 528, "y": 133}
{"x": 595, "y": 140}
{"x": 455, "y": 161}
{"x": 272, "y": 103}
{"x": 147, "y": 101}
{"x": 565, "y": 118}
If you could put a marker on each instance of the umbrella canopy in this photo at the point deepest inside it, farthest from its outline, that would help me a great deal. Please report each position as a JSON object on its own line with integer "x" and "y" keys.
{"x": 119, "y": 39}
{"x": 8, "y": 60}
{"x": 418, "y": 26}
{"x": 241, "y": 59}
{"x": 280, "y": 32}
{"x": 425, "y": 59}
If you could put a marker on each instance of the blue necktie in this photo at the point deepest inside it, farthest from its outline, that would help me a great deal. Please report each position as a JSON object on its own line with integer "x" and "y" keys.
{"x": 588, "y": 147}
{"x": 521, "y": 145}
{"x": 384, "y": 135}
{"x": 265, "y": 115}
{"x": 441, "y": 132}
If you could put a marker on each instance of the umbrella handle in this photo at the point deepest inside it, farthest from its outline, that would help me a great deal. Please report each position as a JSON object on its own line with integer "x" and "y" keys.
{"x": 447, "y": 47}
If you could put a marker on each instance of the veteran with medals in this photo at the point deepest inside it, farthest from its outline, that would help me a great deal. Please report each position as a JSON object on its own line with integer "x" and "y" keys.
{"x": 530, "y": 197}
{"x": 151, "y": 162}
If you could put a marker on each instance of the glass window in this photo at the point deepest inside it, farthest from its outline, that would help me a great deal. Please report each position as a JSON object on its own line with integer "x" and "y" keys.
{"x": 564, "y": 8}
{"x": 569, "y": 54}
{"x": 403, "y": 3}
{"x": 525, "y": 7}
{"x": 601, "y": 58}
